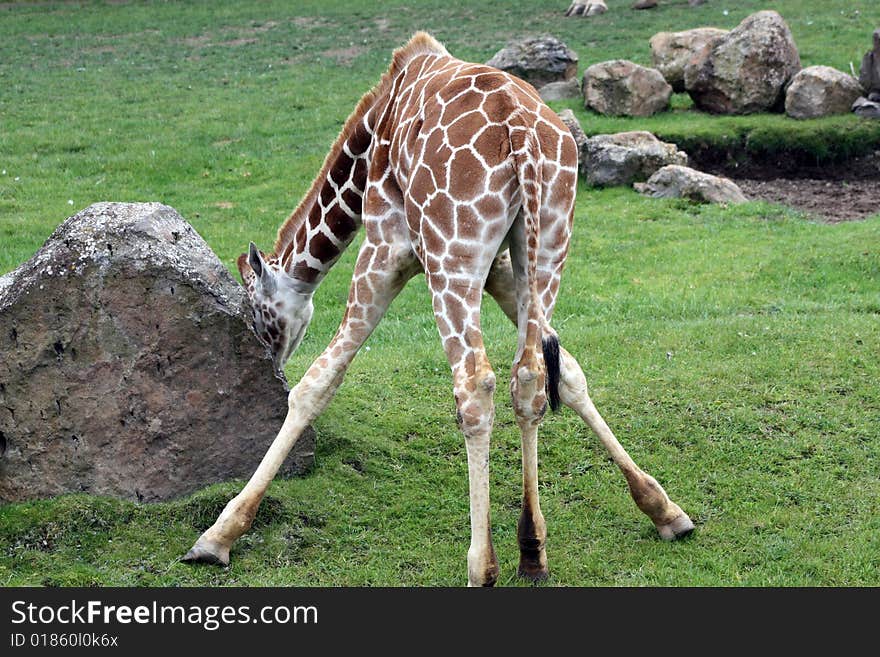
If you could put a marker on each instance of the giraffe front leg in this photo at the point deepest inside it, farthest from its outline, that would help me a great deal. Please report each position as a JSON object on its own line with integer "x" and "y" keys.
{"x": 305, "y": 402}
{"x": 378, "y": 278}
{"x": 481, "y": 559}
{"x": 457, "y": 308}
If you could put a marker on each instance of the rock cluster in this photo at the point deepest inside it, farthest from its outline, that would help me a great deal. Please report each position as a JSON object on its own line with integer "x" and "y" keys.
{"x": 745, "y": 70}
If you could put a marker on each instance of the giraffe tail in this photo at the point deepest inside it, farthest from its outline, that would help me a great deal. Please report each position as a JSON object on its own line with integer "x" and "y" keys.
{"x": 527, "y": 155}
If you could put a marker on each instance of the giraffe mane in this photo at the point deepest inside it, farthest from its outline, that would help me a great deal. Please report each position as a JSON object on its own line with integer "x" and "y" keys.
{"x": 419, "y": 44}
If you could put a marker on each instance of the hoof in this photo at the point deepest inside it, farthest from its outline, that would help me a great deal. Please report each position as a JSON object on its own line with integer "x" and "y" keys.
{"x": 207, "y": 551}
{"x": 678, "y": 528}
{"x": 532, "y": 572}
{"x": 485, "y": 578}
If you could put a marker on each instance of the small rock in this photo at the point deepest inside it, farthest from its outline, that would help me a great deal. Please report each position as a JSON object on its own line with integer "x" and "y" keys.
{"x": 574, "y": 126}
{"x": 562, "y": 90}
{"x": 682, "y": 182}
{"x": 537, "y": 60}
{"x": 622, "y": 88}
{"x": 586, "y": 8}
{"x": 747, "y": 69}
{"x": 626, "y": 157}
{"x": 867, "y": 109}
{"x": 671, "y": 51}
{"x": 645, "y": 4}
{"x": 869, "y": 75}
{"x": 820, "y": 91}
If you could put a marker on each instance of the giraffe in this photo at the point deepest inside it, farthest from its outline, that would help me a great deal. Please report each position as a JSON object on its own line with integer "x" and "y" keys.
{"x": 460, "y": 172}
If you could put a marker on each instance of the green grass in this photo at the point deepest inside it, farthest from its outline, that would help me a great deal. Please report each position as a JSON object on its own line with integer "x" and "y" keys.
{"x": 733, "y": 350}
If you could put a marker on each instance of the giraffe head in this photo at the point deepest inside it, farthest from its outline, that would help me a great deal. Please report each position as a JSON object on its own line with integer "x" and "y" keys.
{"x": 282, "y": 307}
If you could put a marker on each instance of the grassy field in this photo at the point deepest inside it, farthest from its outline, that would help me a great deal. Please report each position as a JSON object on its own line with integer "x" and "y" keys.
{"x": 733, "y": 350}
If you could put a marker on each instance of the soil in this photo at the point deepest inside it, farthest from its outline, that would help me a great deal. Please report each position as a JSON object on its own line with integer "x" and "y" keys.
{"x": 828, "y": 200}
{"x": 843, "y": 191}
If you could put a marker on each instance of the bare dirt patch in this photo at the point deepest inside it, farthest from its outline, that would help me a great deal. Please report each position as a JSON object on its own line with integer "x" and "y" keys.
{"x": 236, "y": 42}
{"x": 829, "y": 200}
{"x": 344, "y": 56}
{"x": 847, "y": 190}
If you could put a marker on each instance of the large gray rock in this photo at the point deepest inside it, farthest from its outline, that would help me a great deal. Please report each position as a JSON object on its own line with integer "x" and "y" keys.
{"x": 869, "y": 75}
{"x": 821, "y": 91}
{"x": 671, "y": 51}
{"x": 746, "y": 70}
{"x": 129, "y": 366}
{"x": 622, "y": 88}
{"x": 682, "y": 182}
{"x": 627, "y": 157}
{"x": 537, "y": 60}
{"x": 580, "y": 138}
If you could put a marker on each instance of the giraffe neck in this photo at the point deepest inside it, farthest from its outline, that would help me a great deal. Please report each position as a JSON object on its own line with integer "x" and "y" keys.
{"x": 332, "y": 216}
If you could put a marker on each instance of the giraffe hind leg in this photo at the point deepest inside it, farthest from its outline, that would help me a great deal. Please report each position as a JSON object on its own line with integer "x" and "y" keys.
{"x": 671, "y": 522}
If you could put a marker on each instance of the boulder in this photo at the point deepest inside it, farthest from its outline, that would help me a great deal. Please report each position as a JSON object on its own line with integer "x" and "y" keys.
{"x": 537, "y": 60}
{"x": 562, "y": 90}
{"x": 622, "y": 88}
{"x": 671, "y": 51}
{"x": 682, "y": 182}
{"x": 586, "y": 8}
{"x": 867, "y": 109}
{"x": 821, "y": 91}
{"x": 869, "y": 75}
{"x": 129, "y": 364}
{"x": 574, "y": 126}
{"x": 626, "y": 157}
{"x": 746, "y": 70}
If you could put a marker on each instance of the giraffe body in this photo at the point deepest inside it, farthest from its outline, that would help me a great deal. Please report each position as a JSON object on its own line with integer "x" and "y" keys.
{"x": 459, "y": 171}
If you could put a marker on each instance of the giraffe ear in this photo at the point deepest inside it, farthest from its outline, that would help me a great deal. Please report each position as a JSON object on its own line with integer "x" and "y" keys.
{"x": 255, "y": 260}
{"x": 261, "y": 270}
{"x": 247, "y": 273}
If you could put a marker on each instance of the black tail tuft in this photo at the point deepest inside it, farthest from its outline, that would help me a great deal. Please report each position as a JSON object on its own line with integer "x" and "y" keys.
{"x": 551, "y": 362}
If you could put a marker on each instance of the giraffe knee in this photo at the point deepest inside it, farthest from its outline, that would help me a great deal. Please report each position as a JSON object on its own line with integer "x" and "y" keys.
{"x": 476, "y": 408}
{"x": 475, "y": 419}
{"x": 486, "y": 382}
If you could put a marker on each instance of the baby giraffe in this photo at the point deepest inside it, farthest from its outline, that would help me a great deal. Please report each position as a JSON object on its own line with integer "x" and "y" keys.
{"x": 460, "y": 172}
